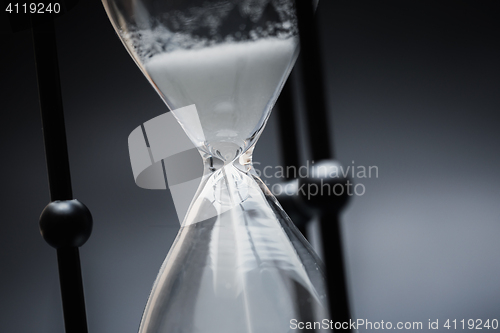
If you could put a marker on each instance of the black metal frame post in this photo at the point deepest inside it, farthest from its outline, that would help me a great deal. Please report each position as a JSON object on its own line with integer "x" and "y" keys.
{"x": 287, "y": 128}
{"x": 65, "y": 223}
{"x": 49, "y": 90}
{"x": 321, "y": 150}
{"x": 313, "y": 81}
{"x": 289, "y": 143}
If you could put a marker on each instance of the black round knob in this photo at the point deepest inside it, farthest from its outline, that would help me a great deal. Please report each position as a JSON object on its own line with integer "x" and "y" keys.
{"x": 326, "y": 187}
{"x": 66, "y": 223}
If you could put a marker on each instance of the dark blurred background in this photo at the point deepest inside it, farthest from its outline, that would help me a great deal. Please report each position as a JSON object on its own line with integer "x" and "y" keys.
{"x": 413, "y": 89}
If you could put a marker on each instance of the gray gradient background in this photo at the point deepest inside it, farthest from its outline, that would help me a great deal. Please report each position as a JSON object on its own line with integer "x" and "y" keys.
{"x": 413, "y": 90}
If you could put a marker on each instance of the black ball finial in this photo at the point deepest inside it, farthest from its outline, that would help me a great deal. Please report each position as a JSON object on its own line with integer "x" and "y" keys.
{"x": 66, "y": 223}
{"x": 326, "y": 187}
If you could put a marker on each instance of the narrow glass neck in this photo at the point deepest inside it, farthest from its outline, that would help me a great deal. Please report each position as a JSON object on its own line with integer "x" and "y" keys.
{"x": 223, "y": 187}
{"x": 242, "y": 162}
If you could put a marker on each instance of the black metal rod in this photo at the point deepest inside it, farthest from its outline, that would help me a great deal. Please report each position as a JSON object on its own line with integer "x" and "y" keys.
{"x": 335, "y": 269}
{"x": 322, "y": 149}
{"x": 287, "y": 128}
{"x": 312, "y": 74}
{"x": 49, "y": 89}
{"x": 73, "y": 299}
{"x": 56, "y": 151}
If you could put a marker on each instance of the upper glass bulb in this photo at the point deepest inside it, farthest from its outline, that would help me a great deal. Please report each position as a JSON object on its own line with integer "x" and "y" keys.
{"x": 229, "y": 58}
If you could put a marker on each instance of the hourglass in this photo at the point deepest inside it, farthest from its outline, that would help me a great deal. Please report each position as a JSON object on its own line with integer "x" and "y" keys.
{"x": 238, "y": 263}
